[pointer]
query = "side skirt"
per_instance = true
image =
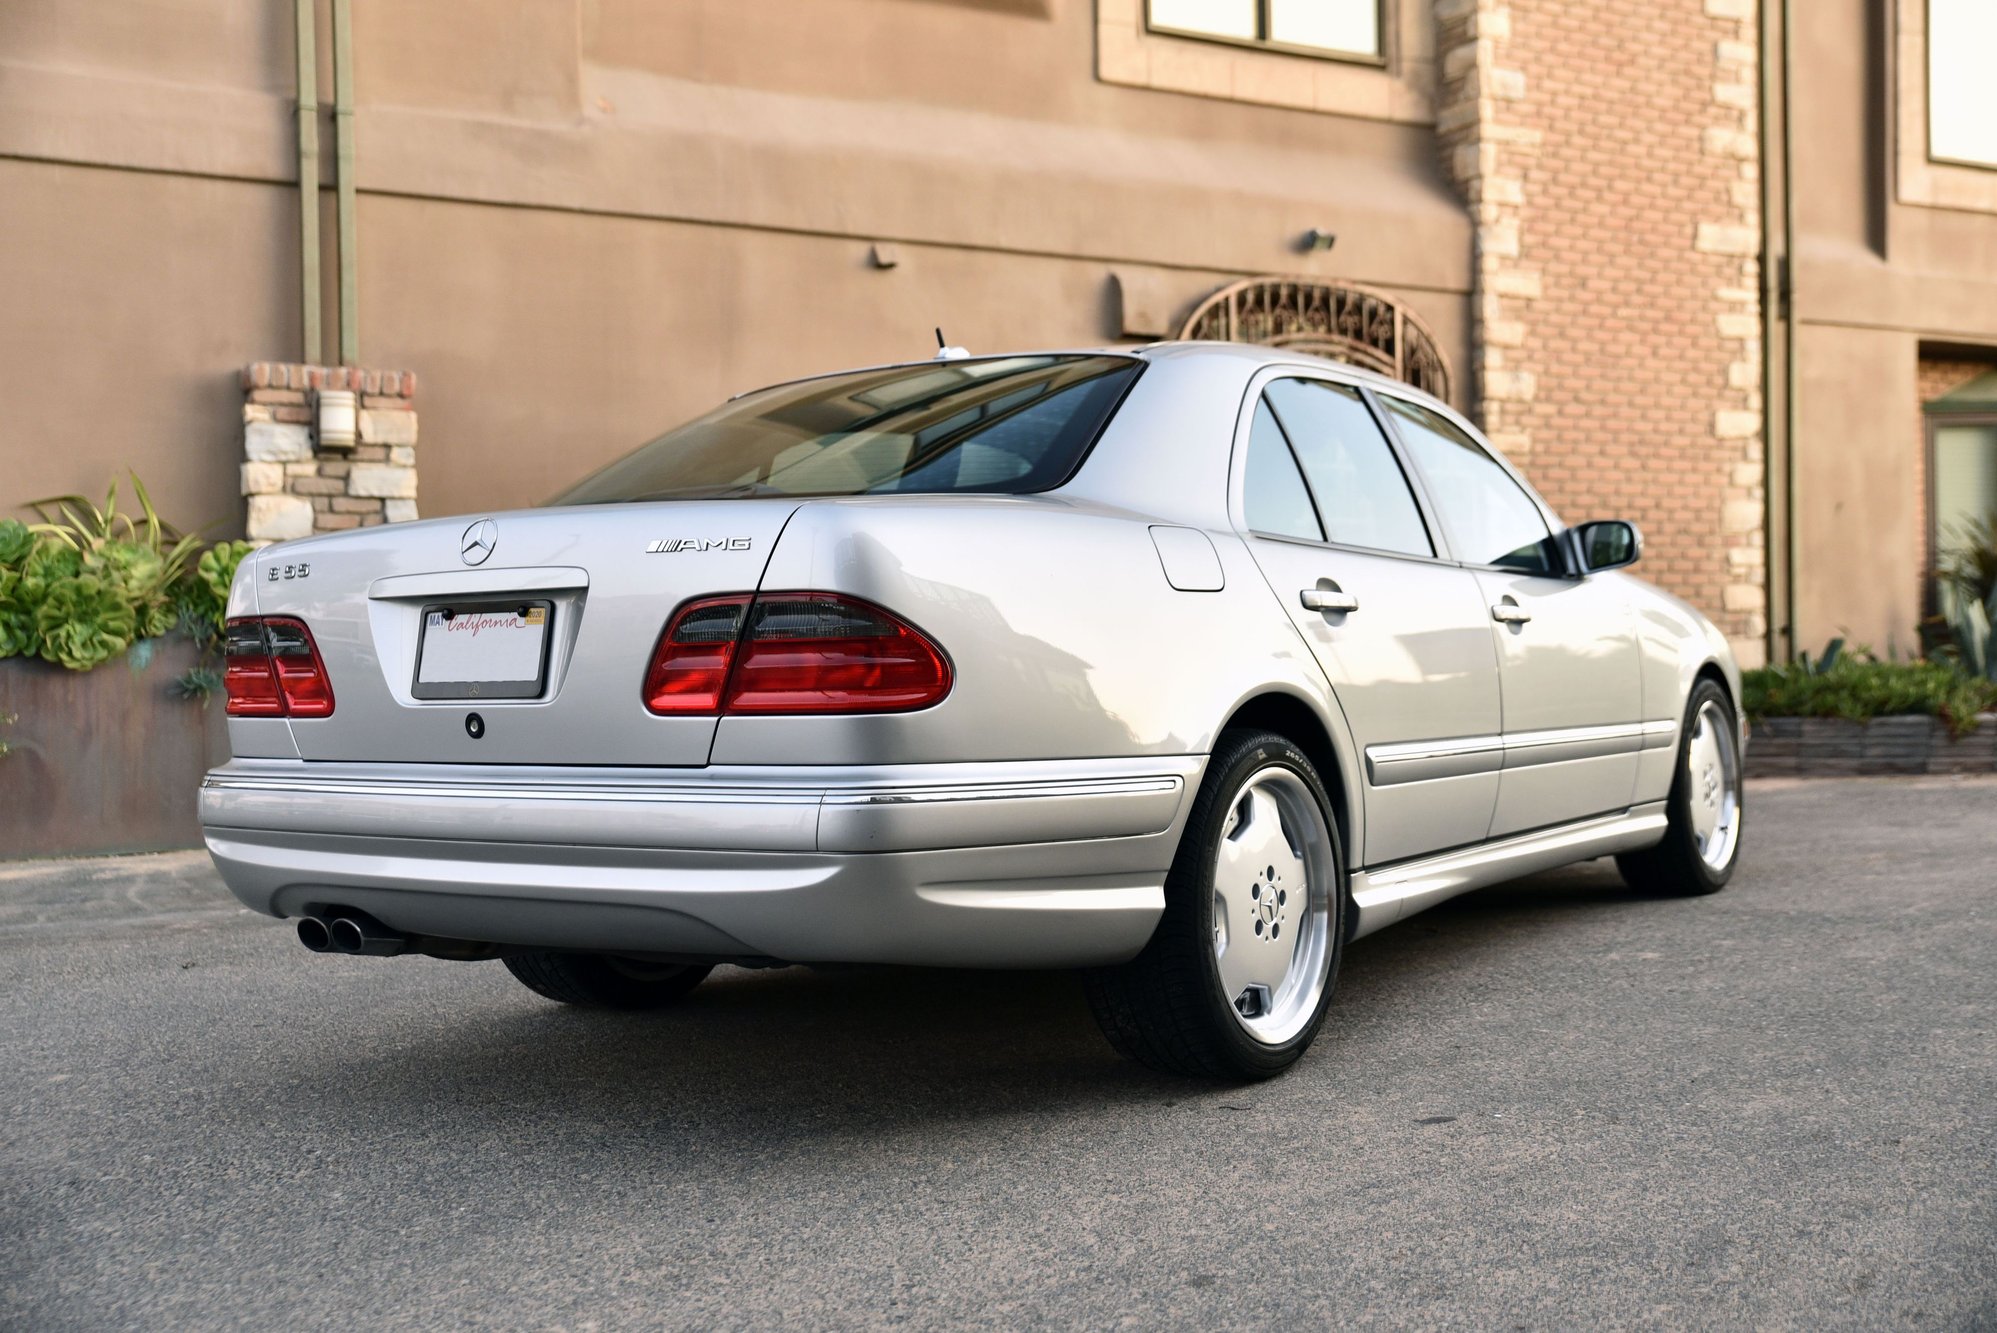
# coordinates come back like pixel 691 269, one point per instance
pixel 1393 893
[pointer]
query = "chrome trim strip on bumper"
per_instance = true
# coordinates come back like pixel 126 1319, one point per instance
pixel 1421 761
pixel 1393 893
pixel 793 809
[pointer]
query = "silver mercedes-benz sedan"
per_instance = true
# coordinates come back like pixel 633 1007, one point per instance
pixel 1186 665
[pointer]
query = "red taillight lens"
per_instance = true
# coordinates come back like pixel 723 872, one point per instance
pixel 247 677
pixel 690 669
pixel 792 652
pixel 273 670
pixel 817 652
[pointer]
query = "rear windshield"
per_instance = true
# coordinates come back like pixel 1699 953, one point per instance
pixel 1007 425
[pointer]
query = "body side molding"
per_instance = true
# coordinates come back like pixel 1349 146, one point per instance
pixel 1392 893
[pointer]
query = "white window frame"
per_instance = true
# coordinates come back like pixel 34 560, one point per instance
pixel 1919 178
pixel 1928 72
pixel 1263 42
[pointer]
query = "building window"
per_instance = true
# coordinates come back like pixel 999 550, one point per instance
pixel 1962 98
pixel 1348 29
pixel 1962 469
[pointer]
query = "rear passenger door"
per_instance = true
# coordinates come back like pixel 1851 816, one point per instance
pixel 1567 648
pixel 1401 632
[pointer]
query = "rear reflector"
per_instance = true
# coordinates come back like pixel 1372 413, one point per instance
pixel 789 653
pixel 273 669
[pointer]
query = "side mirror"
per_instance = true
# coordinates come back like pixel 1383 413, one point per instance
pixel 1608 544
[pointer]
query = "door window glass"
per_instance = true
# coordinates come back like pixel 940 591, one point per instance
pixel 1489 517
pixel 1274 495
pixel 1357 483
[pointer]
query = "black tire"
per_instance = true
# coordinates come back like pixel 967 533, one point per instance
pixel 602 981
pixel 1166 1008
pixel 1674 867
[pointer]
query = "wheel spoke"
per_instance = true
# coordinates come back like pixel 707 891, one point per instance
pixel 1712 785
pixel 1268 929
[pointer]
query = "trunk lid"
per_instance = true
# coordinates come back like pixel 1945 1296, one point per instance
pixel 609 577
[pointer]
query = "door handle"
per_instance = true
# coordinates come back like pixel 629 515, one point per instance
pixel 1328 599
pixel 1510 613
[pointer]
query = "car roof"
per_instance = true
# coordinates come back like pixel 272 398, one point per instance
pixel 1251 356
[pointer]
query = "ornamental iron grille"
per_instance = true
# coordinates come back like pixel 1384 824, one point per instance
pixel 1349 324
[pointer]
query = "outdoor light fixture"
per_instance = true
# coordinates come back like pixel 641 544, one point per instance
pixel 338 421
pixel 1317 239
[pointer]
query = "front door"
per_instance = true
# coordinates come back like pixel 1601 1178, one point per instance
pixel 1568 658
pixel 1403 636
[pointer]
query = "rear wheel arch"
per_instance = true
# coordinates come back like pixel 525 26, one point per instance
pixel 1297 722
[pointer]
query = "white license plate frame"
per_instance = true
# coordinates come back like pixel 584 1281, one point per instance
pixel 505 687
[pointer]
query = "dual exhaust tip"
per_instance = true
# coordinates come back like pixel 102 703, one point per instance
pixel 343 930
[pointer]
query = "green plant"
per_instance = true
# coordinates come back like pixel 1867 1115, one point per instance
pixel 198 682
pixel 15 542
pixel 1966 587
pixel 87 581
pixel 1858 686
pixel 145 557
pixel 207 599
pixel 84 622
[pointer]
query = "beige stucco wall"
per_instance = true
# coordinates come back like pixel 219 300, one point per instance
pixel 1880 273
pixel 581 220
pixel 129 300
pixel 602 331
pixel 1857 502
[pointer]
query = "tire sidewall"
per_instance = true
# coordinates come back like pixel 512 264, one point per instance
pixel 1703 692
pixel 1191 887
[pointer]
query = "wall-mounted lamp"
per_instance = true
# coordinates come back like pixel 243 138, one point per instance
pixel 1317 239
pixel 884 255
pixel 339 423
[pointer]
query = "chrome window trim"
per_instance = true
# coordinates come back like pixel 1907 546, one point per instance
pixel 1237 463
pixel 1373 551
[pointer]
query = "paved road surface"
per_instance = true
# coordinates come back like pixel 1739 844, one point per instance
pixel 1552 1104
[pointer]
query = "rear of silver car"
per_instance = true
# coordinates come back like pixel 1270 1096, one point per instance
pixel 516 740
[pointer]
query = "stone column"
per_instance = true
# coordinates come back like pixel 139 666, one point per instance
pixel 296 486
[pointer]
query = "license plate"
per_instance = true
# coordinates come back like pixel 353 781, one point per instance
pixel 483 650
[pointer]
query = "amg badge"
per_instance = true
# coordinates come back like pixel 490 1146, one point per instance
pixel 671 544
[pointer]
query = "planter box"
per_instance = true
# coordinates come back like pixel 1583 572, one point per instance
pixel 1831 747
pixel 104 761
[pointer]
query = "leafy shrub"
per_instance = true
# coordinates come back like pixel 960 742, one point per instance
pixel 1966 587
pixel 1857 686
pixel 86 582
pixel 207 599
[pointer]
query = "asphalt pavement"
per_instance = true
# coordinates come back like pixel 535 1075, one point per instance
pixel 1553 1104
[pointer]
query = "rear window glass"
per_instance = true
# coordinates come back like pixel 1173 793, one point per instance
pixel 1005 424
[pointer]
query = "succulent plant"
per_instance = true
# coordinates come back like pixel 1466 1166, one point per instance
pixel 15 542
pixel 18 637
pixel 84 621
pixel 214 572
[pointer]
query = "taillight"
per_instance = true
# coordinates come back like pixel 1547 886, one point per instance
pixel 273 669
pixel 690 669
pixel 792 652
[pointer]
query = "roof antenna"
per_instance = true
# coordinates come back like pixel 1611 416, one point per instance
pixel 945 352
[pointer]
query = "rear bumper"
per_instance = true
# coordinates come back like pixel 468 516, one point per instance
pixel 992 865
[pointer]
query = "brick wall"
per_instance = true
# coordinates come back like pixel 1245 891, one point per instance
pixel 297 483
pixel 1610 153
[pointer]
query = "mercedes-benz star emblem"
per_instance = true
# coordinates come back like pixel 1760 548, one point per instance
pixel 478 541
